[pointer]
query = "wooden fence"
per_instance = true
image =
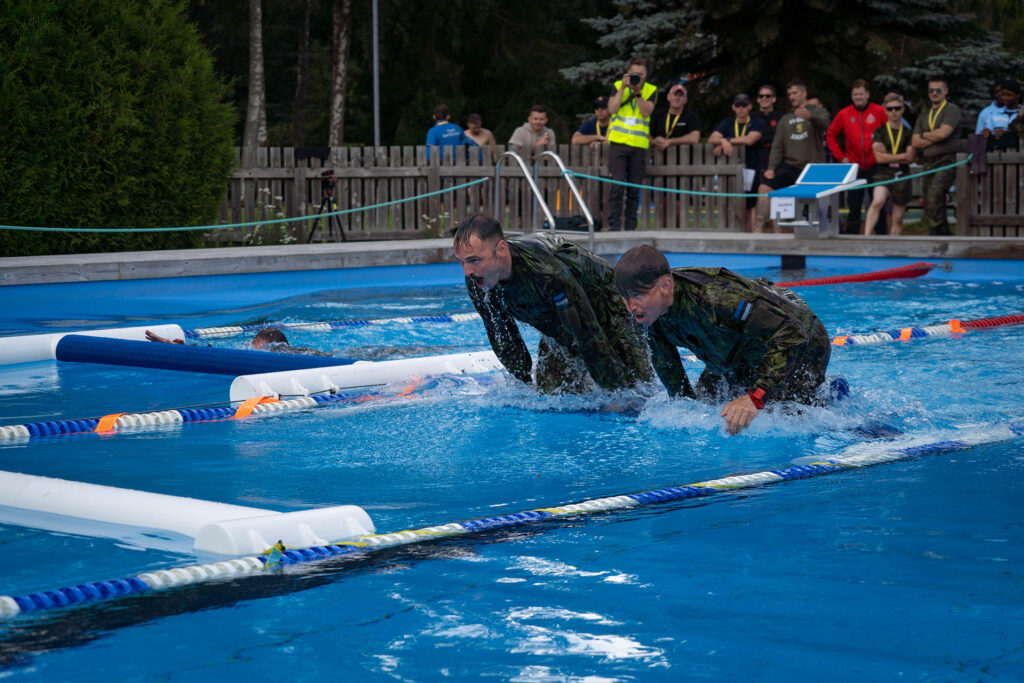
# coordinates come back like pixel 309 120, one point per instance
pixel 279 183
pixel 992 204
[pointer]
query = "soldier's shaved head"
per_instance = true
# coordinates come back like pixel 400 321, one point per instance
pixel 638 269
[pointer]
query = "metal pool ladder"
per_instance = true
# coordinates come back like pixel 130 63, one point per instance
pixel 538 198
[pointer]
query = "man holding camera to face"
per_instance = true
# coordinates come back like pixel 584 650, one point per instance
pixel 629 139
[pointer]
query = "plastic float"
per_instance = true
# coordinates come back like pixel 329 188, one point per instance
pixel 216 528
pixel 940 330
pixel 859 455
pixel 38 347
pixel 360 374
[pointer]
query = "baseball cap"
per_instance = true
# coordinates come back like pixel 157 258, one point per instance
pixel 678 87
pixel 1011 84
pixel 742 100
pixel 601 102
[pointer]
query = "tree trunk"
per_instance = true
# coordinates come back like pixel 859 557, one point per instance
pixel 339 73
pixel 256 108
pixel 301 78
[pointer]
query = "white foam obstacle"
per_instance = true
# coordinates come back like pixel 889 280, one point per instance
pixel 216 528
pixel 31 348
pixel 360 374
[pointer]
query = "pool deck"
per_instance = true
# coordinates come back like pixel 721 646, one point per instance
pixel 28 270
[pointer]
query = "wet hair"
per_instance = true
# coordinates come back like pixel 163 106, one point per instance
pixel 483 227
pixel 441 112
pixel 638 269
pixel 859 83
pixel 271 335
pixel 474 118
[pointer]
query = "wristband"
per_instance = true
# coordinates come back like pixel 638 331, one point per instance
pixel 757 396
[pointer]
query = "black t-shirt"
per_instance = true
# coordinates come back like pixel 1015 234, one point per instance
pixel 666 125
pixel 768 123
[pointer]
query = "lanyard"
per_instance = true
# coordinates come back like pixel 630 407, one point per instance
pixel 597 124
pixel 899 136
pixel 669 127
pixel 933 115
pixel 736 127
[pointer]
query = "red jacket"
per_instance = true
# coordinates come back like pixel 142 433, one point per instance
pixel 856 128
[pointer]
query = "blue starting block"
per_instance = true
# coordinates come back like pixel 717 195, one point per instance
pixel 815 199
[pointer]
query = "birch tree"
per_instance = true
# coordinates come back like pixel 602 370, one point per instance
pixel 256 109
pixel 342 12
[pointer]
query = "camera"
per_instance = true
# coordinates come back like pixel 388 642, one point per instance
pixel 328 182
pixel 634 79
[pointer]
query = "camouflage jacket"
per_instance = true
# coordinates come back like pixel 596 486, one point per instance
pixel 544 267
pixel 747 331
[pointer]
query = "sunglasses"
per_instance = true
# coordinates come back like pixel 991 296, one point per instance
pixel 765 96
pixel 894 108
pixel 934 90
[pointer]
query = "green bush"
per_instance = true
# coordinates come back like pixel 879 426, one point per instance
pixel 111 116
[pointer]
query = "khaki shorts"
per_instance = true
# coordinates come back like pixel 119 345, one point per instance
pixel 900 192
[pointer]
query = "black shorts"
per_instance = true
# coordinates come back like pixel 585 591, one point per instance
pixel 785 175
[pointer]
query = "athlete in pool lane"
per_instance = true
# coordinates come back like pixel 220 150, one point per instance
pixel 757 341
pixel 562 290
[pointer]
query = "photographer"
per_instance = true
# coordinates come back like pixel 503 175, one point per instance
pixel 629 139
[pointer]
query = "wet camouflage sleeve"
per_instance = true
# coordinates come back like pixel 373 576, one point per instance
pixel 502 332
pixel 665 357
pixel 788 339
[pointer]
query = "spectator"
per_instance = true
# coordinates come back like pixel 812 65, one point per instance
pixel 594 131
pixel 798 142
pixel 675 125
pixel 533 136
pixel 855 125
pixel 894 154
pixel 769 117
pixel 740 129
pixel 984 125
pixel 935 137
pixel 631 107
pixel 445 134
pixel 480 135
pixel 999 137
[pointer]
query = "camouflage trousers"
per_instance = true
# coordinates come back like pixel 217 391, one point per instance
pixel 562 371
pixel 935 187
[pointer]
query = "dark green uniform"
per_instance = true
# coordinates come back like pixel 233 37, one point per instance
pixel 749 333
pixel 593 339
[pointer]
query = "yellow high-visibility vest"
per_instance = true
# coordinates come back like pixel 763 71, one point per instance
pixel 628 125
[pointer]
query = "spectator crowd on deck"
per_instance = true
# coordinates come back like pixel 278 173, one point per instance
pixel 882 139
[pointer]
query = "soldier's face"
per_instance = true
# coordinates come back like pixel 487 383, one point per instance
pixel 647 307
pixel 483 262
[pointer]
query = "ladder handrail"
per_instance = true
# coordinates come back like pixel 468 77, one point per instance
pixel 498 215
pixel 573 189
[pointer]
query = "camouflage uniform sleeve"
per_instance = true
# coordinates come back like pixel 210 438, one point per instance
pixel 665 357
pixel 596 349
pixel 503 333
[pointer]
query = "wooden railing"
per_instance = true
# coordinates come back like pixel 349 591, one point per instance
pixel 277 184
pixel 992 204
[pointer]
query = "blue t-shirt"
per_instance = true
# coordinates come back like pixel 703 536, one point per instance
pixel 444 134
pixel 589 127
pixel 729 130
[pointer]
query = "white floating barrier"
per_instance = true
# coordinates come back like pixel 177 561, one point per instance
pixel 31 348
pixel 360 374
pixel 218 528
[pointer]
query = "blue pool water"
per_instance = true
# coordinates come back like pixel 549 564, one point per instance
pixel 907 571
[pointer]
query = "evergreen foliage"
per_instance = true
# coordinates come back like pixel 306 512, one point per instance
pixel 112 117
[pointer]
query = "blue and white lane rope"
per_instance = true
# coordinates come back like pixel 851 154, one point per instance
pixel 232 330
pixel 860 455
pixel 140 421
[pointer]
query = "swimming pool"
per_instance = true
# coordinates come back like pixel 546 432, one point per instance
pixel 909 570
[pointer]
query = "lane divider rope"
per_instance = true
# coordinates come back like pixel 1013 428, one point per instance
pixel 942 330
pixel 859 455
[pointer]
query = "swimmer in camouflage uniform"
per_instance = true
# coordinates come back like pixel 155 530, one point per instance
pixel 758 341
pixel 566 293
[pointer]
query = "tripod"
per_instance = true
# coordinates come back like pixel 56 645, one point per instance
pixel 326 206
